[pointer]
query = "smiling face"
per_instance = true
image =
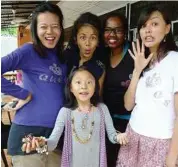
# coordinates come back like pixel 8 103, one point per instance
pixel 114 32
pixel 48 29
pixel 153 31
pixel 87 41
pixel 83 86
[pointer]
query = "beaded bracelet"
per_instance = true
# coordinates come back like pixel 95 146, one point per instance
pixel 42 148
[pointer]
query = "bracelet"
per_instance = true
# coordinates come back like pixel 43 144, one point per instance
pixel 42 148
pixel 28 138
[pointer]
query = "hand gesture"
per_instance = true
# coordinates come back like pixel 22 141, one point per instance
pixel 122 138
pixel 139 56
pixel 16 104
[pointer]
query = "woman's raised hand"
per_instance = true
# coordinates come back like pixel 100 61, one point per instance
pixel 138 56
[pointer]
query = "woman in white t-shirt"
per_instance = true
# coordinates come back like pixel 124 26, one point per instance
pixel 152 94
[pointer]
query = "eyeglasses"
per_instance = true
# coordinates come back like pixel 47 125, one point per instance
pixel 114 30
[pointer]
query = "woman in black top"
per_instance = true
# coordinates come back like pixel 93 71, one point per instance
pixel 118 74
pixel 83 48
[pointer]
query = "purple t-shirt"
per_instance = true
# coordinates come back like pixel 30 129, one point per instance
pixel 43 77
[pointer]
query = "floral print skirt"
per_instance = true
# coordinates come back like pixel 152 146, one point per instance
pixel 142 151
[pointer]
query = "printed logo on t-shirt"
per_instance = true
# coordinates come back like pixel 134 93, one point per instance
pixel 100 64
pixel 55 69
pixel 125 83
pixel 153 80
pixel 57 78
pixel 130 76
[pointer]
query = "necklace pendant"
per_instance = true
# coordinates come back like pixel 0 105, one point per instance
pixel 84 123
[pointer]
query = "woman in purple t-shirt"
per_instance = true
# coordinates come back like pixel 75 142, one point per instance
pixel 44 75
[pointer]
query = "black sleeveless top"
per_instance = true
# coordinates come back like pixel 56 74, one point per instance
pixel 116 83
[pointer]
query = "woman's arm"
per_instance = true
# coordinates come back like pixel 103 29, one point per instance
pixel 173 150
pixel 14 61
pixel 140 62
pixel 129 97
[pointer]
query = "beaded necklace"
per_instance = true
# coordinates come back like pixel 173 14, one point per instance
pixel 84 125
pixel 82 141
pixel 85 118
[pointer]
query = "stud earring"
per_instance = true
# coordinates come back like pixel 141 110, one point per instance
pixel 164 40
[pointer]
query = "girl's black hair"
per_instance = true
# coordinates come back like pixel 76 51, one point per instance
pixel 39 47
pixel 123 19
pixel 169 43
pixel 84 19
pixel 70 100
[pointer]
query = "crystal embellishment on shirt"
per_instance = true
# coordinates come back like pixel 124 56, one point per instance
pixel 55 69
pixel 158 94
pixel 153 81
pixel 100 64
pixel 166 103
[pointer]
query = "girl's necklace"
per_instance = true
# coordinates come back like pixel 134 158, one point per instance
pixel 85 118
pixel 84 125
pixel 79 139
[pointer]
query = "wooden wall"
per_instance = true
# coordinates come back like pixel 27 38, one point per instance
pixel 23 35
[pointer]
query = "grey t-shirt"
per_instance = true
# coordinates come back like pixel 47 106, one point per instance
pixel 83 155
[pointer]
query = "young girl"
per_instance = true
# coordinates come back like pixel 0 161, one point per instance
pixel 152 94
pixel 118 75
pixel 85 121
pixel 42 94
pixel 83 47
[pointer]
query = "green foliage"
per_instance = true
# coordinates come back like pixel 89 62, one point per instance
pixel 9 31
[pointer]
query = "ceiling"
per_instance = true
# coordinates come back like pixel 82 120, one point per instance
pixel 15 13
pixel 20 11
pixel 72 9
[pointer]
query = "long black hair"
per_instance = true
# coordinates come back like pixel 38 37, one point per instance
pixel 42 8
pixel 168 43
pixel 70 100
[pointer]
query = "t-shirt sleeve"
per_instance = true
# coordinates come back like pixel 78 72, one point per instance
pixel 53 140
pixel 111 131
pixel 14 61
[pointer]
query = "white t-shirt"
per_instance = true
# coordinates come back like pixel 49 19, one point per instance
pixel 154 112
